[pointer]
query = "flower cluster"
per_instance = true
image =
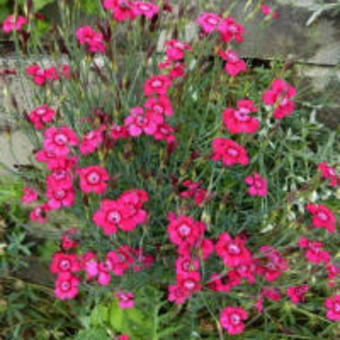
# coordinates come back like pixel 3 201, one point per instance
pixel 13 23
pixel 123 10
pixel 41 76
pixel 71 269
pixel 280 96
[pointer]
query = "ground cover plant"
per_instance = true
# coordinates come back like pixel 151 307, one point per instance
pixel 188 193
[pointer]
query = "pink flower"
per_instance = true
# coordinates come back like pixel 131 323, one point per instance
pixel 108 216
pixel 333 271
pixel 131 208
pixel 230 29
pixel 125 300
pixel 157 85
pixel 89 263
pixel 333 307
pixel 257 185
pixel 322 216
pixel 160 105
pixel 274 266
pixel 266 10
pixel 232 251
pixel 104 270
pixel 125 213
pixel 272 294
pixel 244 271
pixel 58 140
pixel 194 191
pixel 66 286
pixel 92 39
pixel 60 196
pixel 41 76
pixel 118 132
pixel 38 214
pixel 229 151
pixel 41 115
pixel 62 263
pixel 330 173
pixel 12 23
pixel 93 179
pixel 178 294
pixel 68 239
pixel 205 248
pixel 184 231
pixel 121 9
pixel 174 49
pixel 234 64
pixel 61 176
pixel 138 122
pixel 279 95
pixel 314 253
pixel 208 22
pixel 124 337
pixel 91 141
pixel 29 196
pixel 231 319
pixel 165 132
pixel 147 9
pixel 120 261
pixel 189 281
pixel 297 293
pixel 238 121
pixel 185 264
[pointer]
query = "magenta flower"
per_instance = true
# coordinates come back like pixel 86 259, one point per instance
pixel 93 40
pixel 38 214
pixel 230 29
pixel 41 76
pixel 266 10
pixel 121 9
pixel 160 105
pixel 62 263
pixel 91 141
pixel 280 96
pixel 229 151
pixel 231 319
pixel 329 172
pixel 178 294
pixel 257 185
pixel 93 179
pixel 138 122
pixel 125 300
pixel 66 286
pixel 314 251
pixel 158 84
pixel 239 120
pixel 184 231
pixel 60 196
pixel 322 216
pixel 29 195
pixel 147 9
pixel 333 307
pixel 274 264
pixel 234 64
pixel 41 115
pixel 58 140
pixel 12 23
pixel 233 252
pixel 174 49
pixel 297 293
pixel 208 22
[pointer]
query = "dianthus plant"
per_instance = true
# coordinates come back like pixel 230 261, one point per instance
pixel 176 169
